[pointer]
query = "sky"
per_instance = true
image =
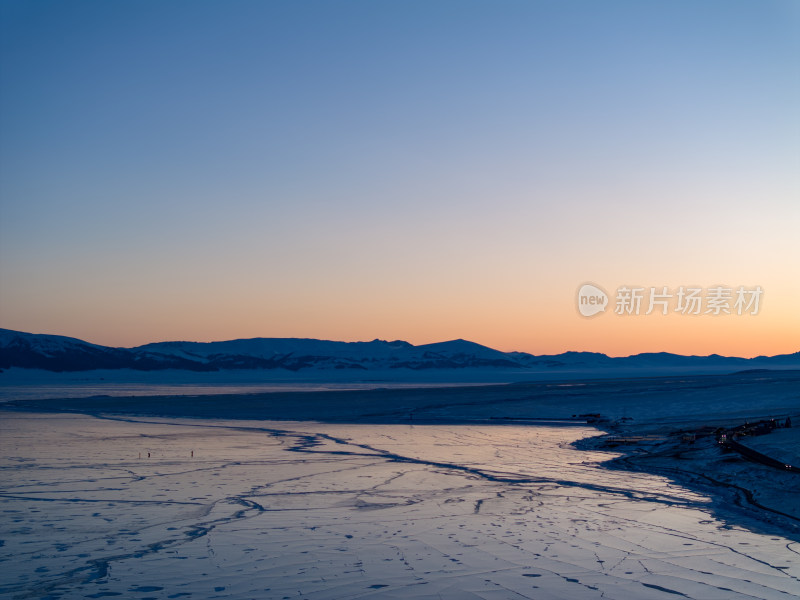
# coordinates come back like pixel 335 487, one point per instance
pixel 421 170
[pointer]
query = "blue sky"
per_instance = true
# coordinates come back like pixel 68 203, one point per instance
pixel 416 170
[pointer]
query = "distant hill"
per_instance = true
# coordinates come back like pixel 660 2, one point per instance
pixel 58 353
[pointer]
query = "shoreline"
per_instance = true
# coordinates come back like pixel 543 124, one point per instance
pixel 762 496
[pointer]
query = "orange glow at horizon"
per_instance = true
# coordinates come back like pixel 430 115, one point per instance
pixel 514 322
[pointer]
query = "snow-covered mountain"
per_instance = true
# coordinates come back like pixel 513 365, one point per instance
pixel 295 354
pixel 58 353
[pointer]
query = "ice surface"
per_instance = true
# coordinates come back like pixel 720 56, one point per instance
pixel 139 507
pixel 26 384
pixel 18 383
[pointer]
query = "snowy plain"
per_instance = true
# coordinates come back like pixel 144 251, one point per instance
pixel 427 493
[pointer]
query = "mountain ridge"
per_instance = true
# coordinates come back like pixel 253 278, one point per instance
pixel 65 354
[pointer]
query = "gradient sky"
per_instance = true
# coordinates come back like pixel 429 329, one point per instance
pixel 419 170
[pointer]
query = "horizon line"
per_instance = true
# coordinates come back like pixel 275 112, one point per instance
pixel 377 339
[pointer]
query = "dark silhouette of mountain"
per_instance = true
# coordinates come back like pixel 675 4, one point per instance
pixel 58 353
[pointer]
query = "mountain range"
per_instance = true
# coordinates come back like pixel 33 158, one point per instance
pixel 60 354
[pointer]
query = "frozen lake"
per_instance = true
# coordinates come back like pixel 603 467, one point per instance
pixel 137 507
